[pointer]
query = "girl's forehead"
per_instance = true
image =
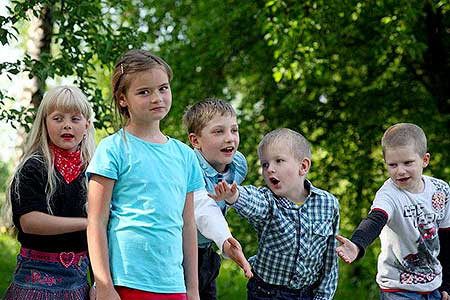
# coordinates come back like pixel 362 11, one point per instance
pixel 64 110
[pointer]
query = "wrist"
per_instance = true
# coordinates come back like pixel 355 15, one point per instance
pixel 232 199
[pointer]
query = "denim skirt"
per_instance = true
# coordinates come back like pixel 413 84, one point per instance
pixel 37 279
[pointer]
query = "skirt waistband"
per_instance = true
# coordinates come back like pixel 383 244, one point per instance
pixel 65 258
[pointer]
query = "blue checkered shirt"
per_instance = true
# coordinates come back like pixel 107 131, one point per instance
pixel 296 247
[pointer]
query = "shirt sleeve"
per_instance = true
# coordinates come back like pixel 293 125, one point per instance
pixel 209 219
pixel 195 175
pixel 368 230
pixel 253 204
pixel 444 239
pixel 444 189
pixel 329 275
pixel 28 193
pixel 105 161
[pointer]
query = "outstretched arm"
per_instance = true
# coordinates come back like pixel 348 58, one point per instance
pixel 347 251
pixel 209 219
pixel 212 224
pixel 233 249
pixel 368 230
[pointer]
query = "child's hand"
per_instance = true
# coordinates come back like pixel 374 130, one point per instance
pixel 347 251
pixel 106 294
pixel 193 295
pixel 445 296
pixel 233 250
pixel 226 192
pixel 92 293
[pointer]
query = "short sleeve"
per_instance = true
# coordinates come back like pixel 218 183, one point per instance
pixel 195 176
pixel 383 202
pixel 106 160
pixel 441 200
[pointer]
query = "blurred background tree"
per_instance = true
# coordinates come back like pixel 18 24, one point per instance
pixel 340 72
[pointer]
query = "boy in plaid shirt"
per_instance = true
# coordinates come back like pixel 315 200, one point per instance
pixel 296 223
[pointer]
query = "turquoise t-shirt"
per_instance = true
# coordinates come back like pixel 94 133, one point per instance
pixel 146 217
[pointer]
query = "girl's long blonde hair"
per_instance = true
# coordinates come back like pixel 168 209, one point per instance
pixel 61 98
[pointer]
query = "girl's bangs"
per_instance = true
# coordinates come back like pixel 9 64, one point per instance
pixel 69 100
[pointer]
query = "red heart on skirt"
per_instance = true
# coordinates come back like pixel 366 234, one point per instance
pixel 66 258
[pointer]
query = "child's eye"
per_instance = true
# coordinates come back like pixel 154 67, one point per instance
pixel 235 130
pixel 392 165
pixel 218 131
pixel 76 118
pixel 279 160
pixel 164 88
pixel 408 163
pixel 144 92
pixel 57 118
pixel 265 165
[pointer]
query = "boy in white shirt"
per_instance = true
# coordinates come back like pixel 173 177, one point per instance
pixel 412 212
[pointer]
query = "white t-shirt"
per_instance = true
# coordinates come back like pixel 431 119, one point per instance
pixel 409 241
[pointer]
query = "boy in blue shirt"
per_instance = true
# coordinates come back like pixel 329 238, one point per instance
pixel 214 134
pixel 296 223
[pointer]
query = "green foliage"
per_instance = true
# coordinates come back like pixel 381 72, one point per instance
pixel 340 72
pixel 10 248
pixel 231 283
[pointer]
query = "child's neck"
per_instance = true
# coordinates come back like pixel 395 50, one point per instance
pixel 299 196
pixel 150 133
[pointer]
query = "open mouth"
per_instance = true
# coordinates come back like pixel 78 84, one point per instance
pixel 67 136
pixel 274 181
pixel 403 180
pixel 227 150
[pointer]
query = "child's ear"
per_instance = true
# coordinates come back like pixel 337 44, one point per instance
pixel 425 160
pixel 122 101
pixel 194 140
pixel 305 164
pixel 88 123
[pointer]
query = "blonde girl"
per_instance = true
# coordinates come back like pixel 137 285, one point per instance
pixel 141 228
pixel 46 200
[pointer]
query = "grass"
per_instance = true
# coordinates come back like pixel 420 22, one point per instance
pixel 10 248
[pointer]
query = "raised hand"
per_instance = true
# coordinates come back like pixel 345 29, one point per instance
pixel 347 251
pixel 233 250
pixel 445 296
pixel 226 192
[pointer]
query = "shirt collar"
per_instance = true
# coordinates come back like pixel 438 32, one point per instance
pixel 204 164
pixel 309 186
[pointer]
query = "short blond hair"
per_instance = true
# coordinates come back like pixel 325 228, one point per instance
pixel 197 116
pixel 296 142
pixel 405 134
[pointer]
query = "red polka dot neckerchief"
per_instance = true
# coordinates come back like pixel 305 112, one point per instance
pixel 67 163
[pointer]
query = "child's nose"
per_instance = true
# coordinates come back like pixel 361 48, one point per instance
pixel 270 169
pixel 400 170
pixel 156 96
pixel 229 136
